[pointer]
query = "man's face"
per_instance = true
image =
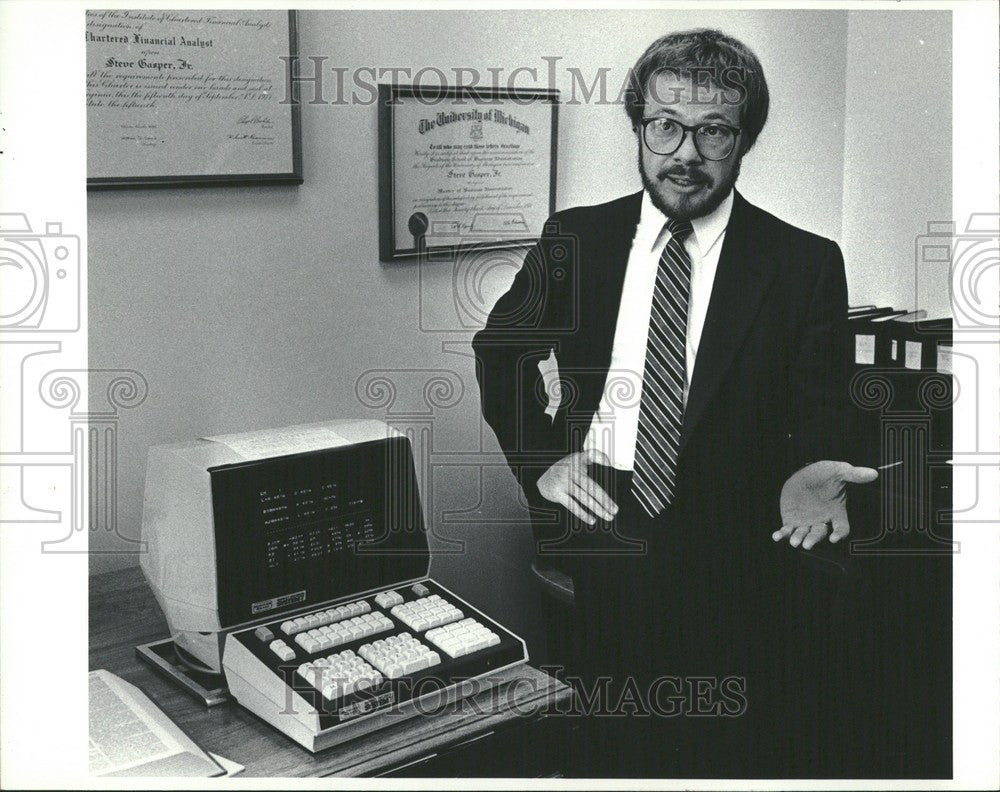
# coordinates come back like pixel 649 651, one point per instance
pixel 684 185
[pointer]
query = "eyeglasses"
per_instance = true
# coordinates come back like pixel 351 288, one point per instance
pixel 712 141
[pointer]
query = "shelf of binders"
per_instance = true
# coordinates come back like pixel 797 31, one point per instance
pixel 891 338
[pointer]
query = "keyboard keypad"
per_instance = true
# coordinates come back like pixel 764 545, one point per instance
pixel 422 614
pixel 328 636
pixel 339 675
pixel 322 618
pixel 399 654
pixel 461 638
pixel 442 629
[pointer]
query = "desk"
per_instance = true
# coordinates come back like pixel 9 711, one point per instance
pixel 483 736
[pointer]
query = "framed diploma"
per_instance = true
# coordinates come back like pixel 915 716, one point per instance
pixel 464 167
pixel 191 98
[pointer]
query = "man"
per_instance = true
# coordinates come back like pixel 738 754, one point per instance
pixel 696 451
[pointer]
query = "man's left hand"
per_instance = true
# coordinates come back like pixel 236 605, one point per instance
pixel 814 498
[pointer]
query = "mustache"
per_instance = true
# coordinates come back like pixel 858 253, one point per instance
pixel 684 173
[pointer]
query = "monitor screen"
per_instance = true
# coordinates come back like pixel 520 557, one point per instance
pixel 299 530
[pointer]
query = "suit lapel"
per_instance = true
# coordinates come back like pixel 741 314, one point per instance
pixel 742 279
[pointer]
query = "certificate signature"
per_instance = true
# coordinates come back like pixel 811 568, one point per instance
pixel 253 129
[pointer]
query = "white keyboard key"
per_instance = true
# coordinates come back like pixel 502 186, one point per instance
pixel 450 648
pixel 414 665
pixel 330 691
pixel 283 651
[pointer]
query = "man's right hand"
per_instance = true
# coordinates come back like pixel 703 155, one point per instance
pixel 568 484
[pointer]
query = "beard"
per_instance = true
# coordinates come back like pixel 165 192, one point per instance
pixel 687 206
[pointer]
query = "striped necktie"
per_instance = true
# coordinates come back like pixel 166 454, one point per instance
pixel 661 409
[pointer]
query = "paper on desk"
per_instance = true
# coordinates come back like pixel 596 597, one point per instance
pixel 123 732
pixel 281 442
pixel 232 768
pixel 131 736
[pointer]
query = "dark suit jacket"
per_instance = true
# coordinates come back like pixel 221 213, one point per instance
pixel 712 594
pixel 769 392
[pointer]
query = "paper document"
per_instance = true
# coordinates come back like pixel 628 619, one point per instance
pixel 131 736
pixel 268 443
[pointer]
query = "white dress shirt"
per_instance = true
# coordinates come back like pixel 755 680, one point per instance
pixel 616 422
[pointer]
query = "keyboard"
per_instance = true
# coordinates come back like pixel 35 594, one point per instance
pixel 315 673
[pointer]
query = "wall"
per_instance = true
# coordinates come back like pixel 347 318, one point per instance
pixel 897 163
pixel 257 307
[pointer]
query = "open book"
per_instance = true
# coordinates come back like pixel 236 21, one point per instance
pixel 131 736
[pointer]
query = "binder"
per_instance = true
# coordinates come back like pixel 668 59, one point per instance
pixel 872 339
pixel 945 353
pixel 918 340
pixel 890 352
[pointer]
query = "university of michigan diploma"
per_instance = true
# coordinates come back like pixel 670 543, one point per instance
pixel 462 167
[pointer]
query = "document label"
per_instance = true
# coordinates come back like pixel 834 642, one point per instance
pixel 864 349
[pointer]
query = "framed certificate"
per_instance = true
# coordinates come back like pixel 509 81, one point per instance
pixel 464 167
pixel 191 98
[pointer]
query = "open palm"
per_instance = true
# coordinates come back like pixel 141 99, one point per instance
pixel 814 500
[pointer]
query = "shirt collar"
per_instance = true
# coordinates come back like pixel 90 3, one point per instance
pixel 707 228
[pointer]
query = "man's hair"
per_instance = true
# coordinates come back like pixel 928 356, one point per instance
pixel 709 58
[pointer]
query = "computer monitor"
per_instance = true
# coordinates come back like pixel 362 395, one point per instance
pixel 250 526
